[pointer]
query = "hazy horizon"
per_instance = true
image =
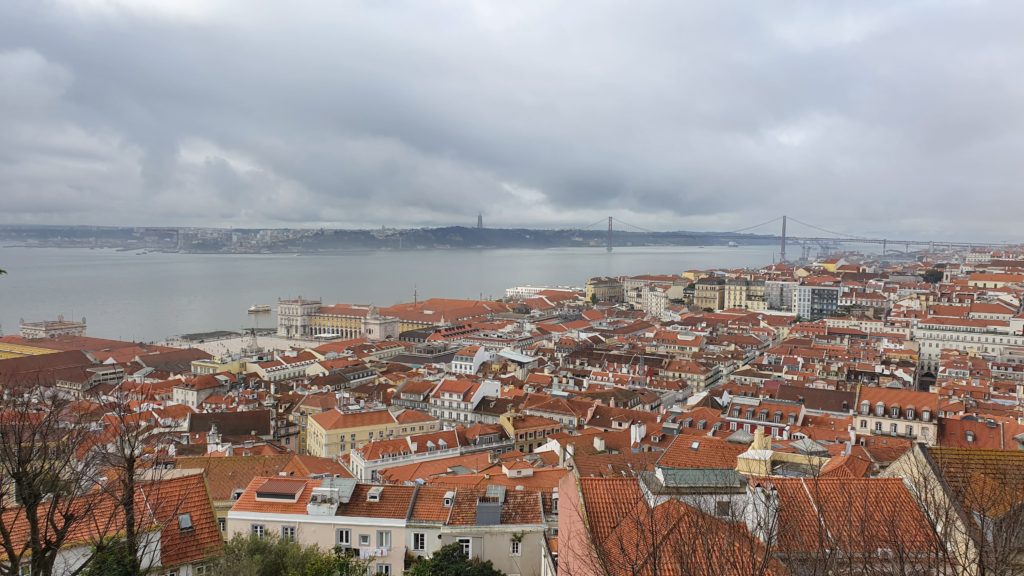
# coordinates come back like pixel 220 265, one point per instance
pixel 870 118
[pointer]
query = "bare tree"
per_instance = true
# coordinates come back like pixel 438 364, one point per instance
pixel 633 532
pixel 126 453
pixel 974 500
pixel 44 482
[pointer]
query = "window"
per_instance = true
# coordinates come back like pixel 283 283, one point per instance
pixel 467 546
pixel 383 569
pixel 895 412
pixel 419 541
pixel 722 508
pixel 222 523
pixel 926 415
pixel 910 413
pixel 184 521
pixel 364 539
pixel 383 538
pixel 258 530
pixel 344 537
pixel 201 570
pixel 879 409
pixel 516 549
pixel 863 423
pixel 878 426
pixel 288 533
pixel 910 430
pixel 892 428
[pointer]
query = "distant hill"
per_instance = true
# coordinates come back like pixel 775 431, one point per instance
pixel 253 240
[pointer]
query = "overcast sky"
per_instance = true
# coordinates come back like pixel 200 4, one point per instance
pixel 895 118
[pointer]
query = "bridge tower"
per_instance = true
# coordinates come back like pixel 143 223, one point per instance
pixel 608 244
pixel 782 252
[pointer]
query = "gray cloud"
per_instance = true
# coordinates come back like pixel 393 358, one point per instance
pixel 868 117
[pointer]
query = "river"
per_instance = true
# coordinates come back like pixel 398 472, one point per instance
pixel 149 297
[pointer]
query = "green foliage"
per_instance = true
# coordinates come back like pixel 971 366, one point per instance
pixel 451 561
pixel 113 559
pixel 272 556
pixel 932 276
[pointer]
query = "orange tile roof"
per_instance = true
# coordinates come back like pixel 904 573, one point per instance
pixel 186 495
pixel 519 507
pixel 990 482
pixel 626 531
pixel 709 453
pixel 542 480
pixel 395 502
pixel 431 468
pixel 306 465
pixel 248 502
pixel 410 416
pixel 226 474
pixel 854 515
pixel 429 506
pixel 338 420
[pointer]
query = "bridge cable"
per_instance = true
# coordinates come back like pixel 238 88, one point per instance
pixel 773 220
pixel 820 229
pixel 588 226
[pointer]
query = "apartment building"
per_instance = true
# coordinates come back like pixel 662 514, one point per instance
pixel 897 412
pixel 778 294
pixel 386 524
pixel 986 338
pixel 335 432
pixel 815 302
pixel 455 401
pixel 709 294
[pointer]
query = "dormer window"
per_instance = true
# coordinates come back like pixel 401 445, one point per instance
pixel 449 497
pixel 374 494
pixel 926 415
pixel 865 407
pixel 910 413
pixel 895 412
pixel 879 409
pixel 970 436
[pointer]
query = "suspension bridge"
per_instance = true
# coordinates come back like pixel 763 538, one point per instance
pixel 813 235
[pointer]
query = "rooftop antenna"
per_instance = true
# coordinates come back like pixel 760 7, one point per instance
pixel 415 295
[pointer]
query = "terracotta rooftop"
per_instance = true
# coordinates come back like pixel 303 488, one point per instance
pixel 338 420
pixel 701 452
